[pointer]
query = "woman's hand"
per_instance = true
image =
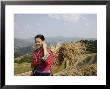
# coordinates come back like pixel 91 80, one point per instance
pixel 45 51
pixel 45 48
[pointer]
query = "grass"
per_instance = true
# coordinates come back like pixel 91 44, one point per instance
pixel 86 64
pixel 58 68
pixel 21 68
pixel 89 59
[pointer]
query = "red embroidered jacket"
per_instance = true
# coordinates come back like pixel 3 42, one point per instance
pixel 39 63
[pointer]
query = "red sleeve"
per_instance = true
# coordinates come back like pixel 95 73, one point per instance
pixel 33 64
pixel 34 60
pixel 50 59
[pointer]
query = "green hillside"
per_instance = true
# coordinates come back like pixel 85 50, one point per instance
pixel 73 59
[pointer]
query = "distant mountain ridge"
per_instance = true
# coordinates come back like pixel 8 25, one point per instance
pixel 24 46
pixel 60 39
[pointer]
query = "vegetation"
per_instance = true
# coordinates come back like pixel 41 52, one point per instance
pixel 91 45
pixel 77 58
pixel 21 68
pixel 22 51
pixel 26 58
pixel 72 59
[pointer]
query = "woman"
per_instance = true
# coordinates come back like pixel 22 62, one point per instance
pixel 42 58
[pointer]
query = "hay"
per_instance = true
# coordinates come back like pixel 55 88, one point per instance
pixel 71 51
pixel 72 54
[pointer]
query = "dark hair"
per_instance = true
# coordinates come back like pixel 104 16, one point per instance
pixel 40 36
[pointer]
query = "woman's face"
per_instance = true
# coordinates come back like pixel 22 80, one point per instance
pixel 39 43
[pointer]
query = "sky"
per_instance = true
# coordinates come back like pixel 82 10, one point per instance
pixel 53 25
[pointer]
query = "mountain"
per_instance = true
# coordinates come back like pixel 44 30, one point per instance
pixel 59 39
pixel 24 46
pixel 22 43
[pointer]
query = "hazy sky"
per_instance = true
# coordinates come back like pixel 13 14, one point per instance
pixel 51 25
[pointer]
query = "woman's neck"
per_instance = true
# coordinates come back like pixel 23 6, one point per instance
pixel 39 48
